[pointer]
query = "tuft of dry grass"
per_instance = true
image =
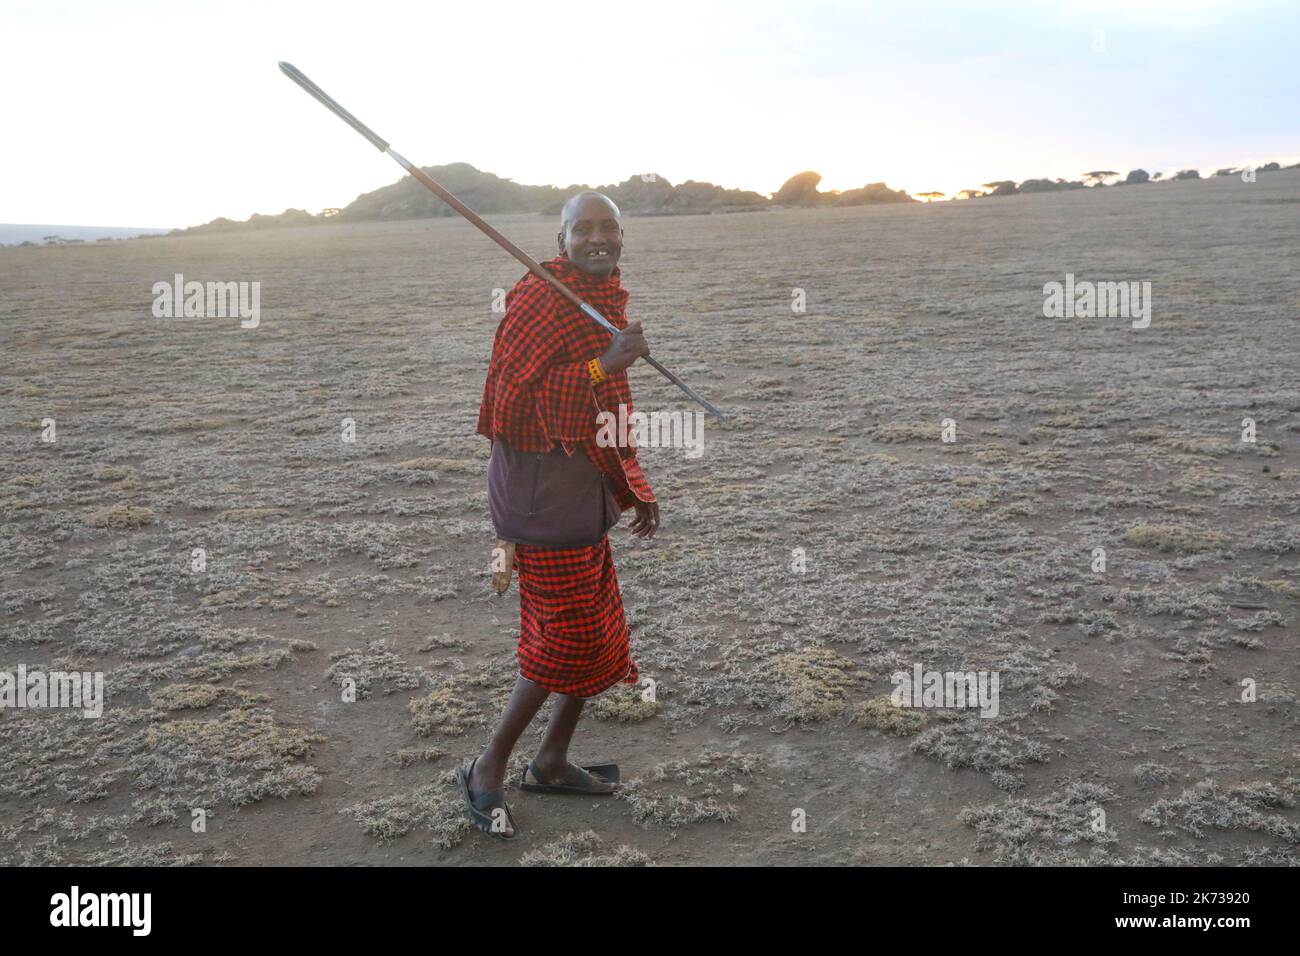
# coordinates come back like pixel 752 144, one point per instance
pixel 579 849
pixel 908 432
pixel 408 758
pixel 814 683
pixel 198 696
pixel 447 709
pixel 881 713
pixel 1042 832
pixel 1241 807
pixel 993 455
pixel 460 465
pixel 624 705
pixel 121 516
pixel 982 745
pixel 1169 537
pixel 673 810
pixel 238 758
pixel 370 666
pixel 436 807
pixel 114 473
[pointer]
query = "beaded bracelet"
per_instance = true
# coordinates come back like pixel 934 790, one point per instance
pixel 596 372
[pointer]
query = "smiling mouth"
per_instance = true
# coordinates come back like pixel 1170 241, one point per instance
pixel 599 254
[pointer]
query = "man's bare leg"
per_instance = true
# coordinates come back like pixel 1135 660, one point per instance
pixel 490 769
pixel 553 757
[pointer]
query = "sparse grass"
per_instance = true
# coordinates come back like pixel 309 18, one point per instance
pixel 580 849
pixel 1152 774
pixel 114 472
pixel 409 758
pixel 198 696
pixel 815 683
pixel 976 552
pixel 121 516
pixel 908 432
pixel 1043 832
pixel 624 705
pixel 436 808
pixel 673 810
pixel 881 713
pixel 1208 806
pixel 981 744
pixel 459 465
pixel 448 709
pixel 372 666
pixel 249 514
pixel 1168 537
pixel 237 758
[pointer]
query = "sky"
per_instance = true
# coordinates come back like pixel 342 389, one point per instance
pixel 158 114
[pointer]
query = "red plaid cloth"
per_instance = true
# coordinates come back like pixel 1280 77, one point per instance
pixel 573 637
pixel 538 390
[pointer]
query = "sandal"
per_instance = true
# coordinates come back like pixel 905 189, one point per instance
pixel 604 772
pixel 481 803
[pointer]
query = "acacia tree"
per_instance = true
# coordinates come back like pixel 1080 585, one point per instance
pixel 1098 176
pixel 929 197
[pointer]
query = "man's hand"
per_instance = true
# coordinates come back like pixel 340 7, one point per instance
pixel 647 519
pixel 626 347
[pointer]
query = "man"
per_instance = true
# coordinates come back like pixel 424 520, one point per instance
pixel 554 493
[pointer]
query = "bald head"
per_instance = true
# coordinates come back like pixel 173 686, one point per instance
pixel 575 202
pixel 591 233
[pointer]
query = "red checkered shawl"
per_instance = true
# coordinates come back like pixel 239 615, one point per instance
pixel 538 391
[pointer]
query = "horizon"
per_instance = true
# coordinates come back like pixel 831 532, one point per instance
pixel 1164 177
pixel 1019 91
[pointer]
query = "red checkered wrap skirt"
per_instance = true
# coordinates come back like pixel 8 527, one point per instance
pixel 573 637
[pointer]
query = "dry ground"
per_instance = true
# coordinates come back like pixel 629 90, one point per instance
pixel 327 561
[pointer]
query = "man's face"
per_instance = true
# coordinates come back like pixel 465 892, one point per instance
pixel 593 238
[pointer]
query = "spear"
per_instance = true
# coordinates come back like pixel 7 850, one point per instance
pixel 293 73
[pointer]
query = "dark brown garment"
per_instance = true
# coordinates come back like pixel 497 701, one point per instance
pixel 549 499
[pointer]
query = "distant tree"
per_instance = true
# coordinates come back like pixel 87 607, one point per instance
pixel 52 240
pixel 1048 185
pixel 971 194
pixel 1187 174
pixel 1227 171
pixel 1098 176
pixel 929 197
pixel 1137 176
pixel 869 194
pixel 1002 187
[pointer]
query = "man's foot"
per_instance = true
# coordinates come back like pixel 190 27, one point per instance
pixel 482 789
pixel 565 778
pixel 485 775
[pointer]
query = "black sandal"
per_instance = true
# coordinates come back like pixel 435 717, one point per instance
pixel 605 772
pixel 481 803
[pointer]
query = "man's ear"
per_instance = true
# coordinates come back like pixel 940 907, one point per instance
pixel 559 240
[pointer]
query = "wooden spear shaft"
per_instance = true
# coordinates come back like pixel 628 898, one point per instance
pixel 442 193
